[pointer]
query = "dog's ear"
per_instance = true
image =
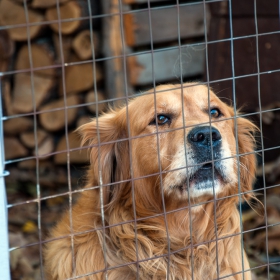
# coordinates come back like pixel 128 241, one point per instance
pixel 103 137
pixel 246 145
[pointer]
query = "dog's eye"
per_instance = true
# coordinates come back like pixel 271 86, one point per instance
pixel 161 120
pixel 215 113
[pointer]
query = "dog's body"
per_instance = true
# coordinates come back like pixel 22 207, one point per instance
pixel 154 159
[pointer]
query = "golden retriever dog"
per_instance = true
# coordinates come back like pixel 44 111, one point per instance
pixel 166 174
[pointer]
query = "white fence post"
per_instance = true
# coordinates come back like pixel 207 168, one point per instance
pixel 4 239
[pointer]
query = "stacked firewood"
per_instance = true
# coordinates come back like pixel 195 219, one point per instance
pixel 47 55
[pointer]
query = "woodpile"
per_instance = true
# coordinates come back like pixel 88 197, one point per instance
pixel 49 51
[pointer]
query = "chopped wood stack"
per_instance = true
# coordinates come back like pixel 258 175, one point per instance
pixel 48 55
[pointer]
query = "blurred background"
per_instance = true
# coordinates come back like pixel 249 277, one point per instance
pixel 63 62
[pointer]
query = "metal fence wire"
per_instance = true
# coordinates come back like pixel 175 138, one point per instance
pixel 63 62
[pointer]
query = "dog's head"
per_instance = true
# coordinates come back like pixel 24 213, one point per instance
pixel 182 141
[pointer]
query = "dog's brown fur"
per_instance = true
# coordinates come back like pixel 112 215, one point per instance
pixel 139 238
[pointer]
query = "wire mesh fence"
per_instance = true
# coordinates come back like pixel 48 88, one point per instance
pixel 65 62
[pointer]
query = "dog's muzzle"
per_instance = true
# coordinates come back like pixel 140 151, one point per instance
pixel 206 144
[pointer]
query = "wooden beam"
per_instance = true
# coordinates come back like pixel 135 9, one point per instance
pixel 166 65
pixel 138 29
pixel 113 49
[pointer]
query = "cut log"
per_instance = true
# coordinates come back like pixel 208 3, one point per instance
pixel 43 4
pixel 80 77
pixel 137 25
pixel 7 48
pixel 70 12
pixel 91 101
pixel 55 120
pixel 77 156
pixel 12 14
pixel 66 47
pixel 28 139
pixel 42 56
pixel 166 65
pixel 24 88
pixel 82 44
pixel 13 148
pixel 17 125
pixel 27 164
pixel 45 148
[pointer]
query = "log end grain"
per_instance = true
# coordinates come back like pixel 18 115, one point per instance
pixel 28 138
pixel 42 56
pixel 30 91
pixel 70 10
pixel 13 148
pixel 82 44
pixel 17 125
pixel 80 77
pixel 77 156
pixel 91 101
pixel 55 119
pixel 12 14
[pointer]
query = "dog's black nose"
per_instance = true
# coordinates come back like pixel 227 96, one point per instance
pixel 200 137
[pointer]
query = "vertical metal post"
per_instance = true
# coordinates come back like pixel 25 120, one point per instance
pixel 4 239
